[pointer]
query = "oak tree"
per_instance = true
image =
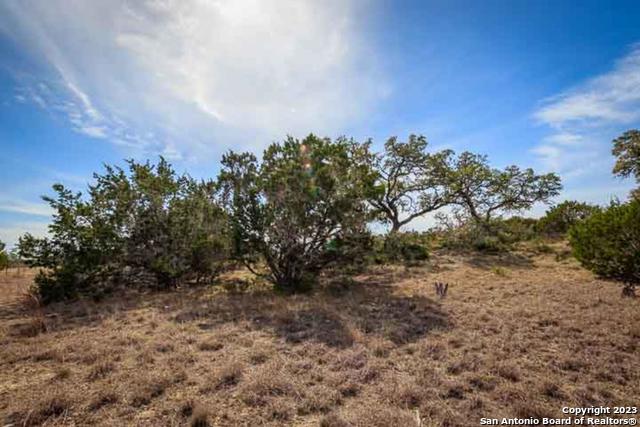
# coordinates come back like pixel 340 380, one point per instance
pixel 411 182
pixel 486 193
pixel 626 148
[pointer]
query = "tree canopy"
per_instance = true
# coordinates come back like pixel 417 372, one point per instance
pixel 626 149
pixel 559 218
pixel 608 243
pixel 410 181
pixel 304 205
pixel 484 192
pixel 145 221
pixel 296 207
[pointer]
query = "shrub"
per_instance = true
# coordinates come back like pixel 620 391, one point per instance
pixel 495 236
pixel 608 243
pixel 297 209
pixel 404 247
pixel 515 229
pixel 4 257
pixel 559 218
pixel 148 221
pixel 351 253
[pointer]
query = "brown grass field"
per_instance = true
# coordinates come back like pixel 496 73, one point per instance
pixel 517 336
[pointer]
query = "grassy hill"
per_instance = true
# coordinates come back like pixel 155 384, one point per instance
pixel 517 335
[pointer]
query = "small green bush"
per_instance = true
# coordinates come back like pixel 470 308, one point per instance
pixel 495 237
pixel 489 244
pixel 608 242
pixel 4 257
pixel 516 229
pixel 404 247
pixel 559 218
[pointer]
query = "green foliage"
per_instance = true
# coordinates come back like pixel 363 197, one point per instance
pixel 627 150
pixel 296 209
pixel 608 242
pixel 4 257
pixel 500 271
pixel 303 207
pixel 410 182
pixel 559 218
pixel 516 229
pixel 147 221
pixel 351 253
pixel 408 248
pixel 486 193
pixel 495 236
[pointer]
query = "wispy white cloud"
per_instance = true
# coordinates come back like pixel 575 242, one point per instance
pixel 583 120
pixel 181 76
pixel 611 97
pixel 23 207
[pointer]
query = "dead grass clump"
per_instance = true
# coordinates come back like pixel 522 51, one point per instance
pixel 368 374
pixel 198 415
pixel 453 420
pixel 483 382
pixel 51 408
pixel 227 376
pixel 381 416
pixel 509 372
pixel 164 348
pixel 381 348
pixel 553 391
pixel 454 391
pixel 53 355
pixel 351 359
pixel 186 409
pixel 280 410
pixel 148 391
pixel 104 398
pixel 532 410
pixel 200 418
pixel 344 383
pixel 265 382
pixel 586 396
pixel 573 365
pixel 258 357
pixel 319 398
pixel 349 389
pixel 210 346
pixel 89 358
pixel 62 373
pixel 333 420
pixel 33 327
pixel 433 350
pixel 476 404
pixel 403 392
pixel 466 364
pixel 101 370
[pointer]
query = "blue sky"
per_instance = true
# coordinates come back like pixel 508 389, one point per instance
pixel 546 84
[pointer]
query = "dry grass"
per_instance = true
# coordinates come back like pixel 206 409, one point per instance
pixel 516 336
